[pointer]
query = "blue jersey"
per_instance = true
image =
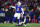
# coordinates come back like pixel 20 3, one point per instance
pixel 2 12
pixel 18 9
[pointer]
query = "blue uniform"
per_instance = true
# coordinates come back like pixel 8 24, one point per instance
pixel 18 9
pixel 6 17
pixel 1 19
pixel 32 15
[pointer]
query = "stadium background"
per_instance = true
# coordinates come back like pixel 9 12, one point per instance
pixel 31 8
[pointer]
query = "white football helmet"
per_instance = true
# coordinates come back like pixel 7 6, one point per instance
pixel 19 3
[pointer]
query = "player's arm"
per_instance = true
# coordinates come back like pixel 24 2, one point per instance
pixel 22 13
pixel 13 7
pixel 22 10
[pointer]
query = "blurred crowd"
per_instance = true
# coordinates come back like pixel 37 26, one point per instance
pixel 31 9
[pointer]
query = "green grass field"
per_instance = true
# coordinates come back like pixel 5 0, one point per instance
pixel 13 25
